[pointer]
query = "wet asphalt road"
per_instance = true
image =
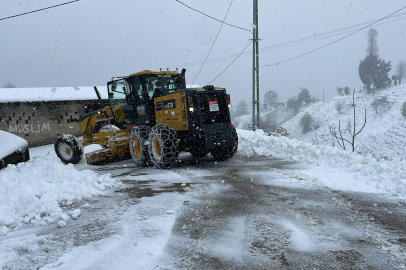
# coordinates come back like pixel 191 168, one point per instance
pixel 268 222
pixel 244 215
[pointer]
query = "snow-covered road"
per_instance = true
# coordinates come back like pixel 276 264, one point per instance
pixel 238 214
pixel 254 211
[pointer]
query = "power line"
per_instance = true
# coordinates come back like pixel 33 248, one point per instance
pixel 334 31
pixel 213 17
pixel 331 99
pixel 277 63
pixel 213 42
pixel 39 10
pixel 279 46
pixel 231 63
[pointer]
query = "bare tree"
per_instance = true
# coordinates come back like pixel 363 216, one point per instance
pixel 372 48
pixel 9 85
pixel 401 71
pixel 379 103
pixel 340 138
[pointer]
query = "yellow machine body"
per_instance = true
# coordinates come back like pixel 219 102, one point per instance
pixel 115 141
pixel 168 111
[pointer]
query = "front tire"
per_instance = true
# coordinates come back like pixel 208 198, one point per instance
pixel 162 146
pixel 227 153
pixel 138 145
pixel 68 149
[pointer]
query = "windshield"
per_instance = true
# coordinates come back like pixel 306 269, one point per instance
pixel 118 91
pixel 165 82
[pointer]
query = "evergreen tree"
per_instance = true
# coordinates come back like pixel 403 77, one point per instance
pixel 373 71
pixel 242 109
pixel 293 104
pixel 270 98
pixel 304 96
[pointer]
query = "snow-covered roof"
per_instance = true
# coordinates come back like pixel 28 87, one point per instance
pixel 50 94
pixel 54 93
pixel 10 143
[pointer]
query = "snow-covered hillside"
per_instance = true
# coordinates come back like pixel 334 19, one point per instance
pixel 384 135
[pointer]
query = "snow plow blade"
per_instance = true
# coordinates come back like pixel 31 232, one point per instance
pixel 106 155
pixel 98 157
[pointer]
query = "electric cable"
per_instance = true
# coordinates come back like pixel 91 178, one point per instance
pixel 213 17
pixel 279 46
pixel 213 43
pixel 231 63
pixel 312 51
pixel 38 10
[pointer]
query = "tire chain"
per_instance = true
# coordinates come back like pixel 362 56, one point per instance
pixel 169 148
pixel 142 133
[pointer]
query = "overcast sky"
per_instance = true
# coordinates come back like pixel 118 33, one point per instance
pixel 88 42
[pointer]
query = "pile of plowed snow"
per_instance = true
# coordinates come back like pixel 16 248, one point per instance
pixel 388 177
pixel 34 192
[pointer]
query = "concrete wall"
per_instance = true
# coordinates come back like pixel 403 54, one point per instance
pixel 42 122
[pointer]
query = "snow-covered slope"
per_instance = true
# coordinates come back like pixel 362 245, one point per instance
pixel 384 135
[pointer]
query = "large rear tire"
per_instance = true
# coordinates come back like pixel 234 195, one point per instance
pixel 227 153
pixel 162 146
pixel 139 145
pixel 69 149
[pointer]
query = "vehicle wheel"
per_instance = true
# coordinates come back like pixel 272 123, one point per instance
pixel 26 156
pixel 68 149
pixel 198 154
pixel 223 154
pixel 162 147
pixel 138 145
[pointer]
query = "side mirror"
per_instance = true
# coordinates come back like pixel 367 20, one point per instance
pixel 111 95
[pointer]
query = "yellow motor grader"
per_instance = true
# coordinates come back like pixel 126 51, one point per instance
pixel 151 117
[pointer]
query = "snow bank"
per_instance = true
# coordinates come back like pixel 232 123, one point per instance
pixel 34 192
pixel 386 176
pixel 11 143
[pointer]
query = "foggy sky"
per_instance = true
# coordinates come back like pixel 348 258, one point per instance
pixel 88 42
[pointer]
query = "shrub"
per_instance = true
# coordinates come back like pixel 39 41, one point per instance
pixel 308 123
pixel 339 105
pixel 404 109
pixel 379 103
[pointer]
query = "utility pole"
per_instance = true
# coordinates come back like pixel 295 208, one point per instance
pixel 255 67
pixel 257 59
